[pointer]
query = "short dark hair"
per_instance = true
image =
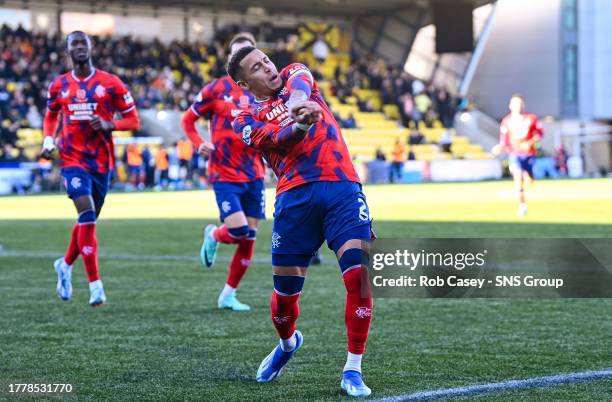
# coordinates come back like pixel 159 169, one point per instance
pixel 241 38
pixel 233 67
pixel 77 33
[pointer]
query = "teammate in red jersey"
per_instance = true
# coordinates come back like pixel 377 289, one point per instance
pixel 319 198
pixel 87 99
pixel 236 173
pixel 519 134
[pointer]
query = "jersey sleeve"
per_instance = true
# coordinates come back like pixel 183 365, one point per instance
pixel 504 133
pixel 122 98
pixel 264 136
pixel 298 77
pixel 204 101
pixel 538 129
pixel 53 104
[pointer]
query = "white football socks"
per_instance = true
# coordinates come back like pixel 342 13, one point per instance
pixel 95 284
pixel 353 362
pixel 228 291
pixel 287 345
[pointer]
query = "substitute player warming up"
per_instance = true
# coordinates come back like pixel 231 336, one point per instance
pixel 87 99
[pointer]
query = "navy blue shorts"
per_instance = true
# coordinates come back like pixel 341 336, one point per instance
pixel 249 197
pixel 523 163
pixel 307 215
pixel 80 182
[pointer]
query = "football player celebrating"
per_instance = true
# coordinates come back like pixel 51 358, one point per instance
pixel 236 173
pixel 319 198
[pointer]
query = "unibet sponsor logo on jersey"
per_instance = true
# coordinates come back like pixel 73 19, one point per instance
pixel 82 111
pixel 279 113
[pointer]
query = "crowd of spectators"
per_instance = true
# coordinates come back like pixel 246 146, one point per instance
pixel 417 102
pixel 168 76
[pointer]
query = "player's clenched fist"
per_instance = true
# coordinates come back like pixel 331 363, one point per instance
pixel 306 112
pixel 205 149
pixel 48 148
pixel 98 124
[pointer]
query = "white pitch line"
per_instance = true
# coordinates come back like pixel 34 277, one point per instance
pixel 535 382
pixel 258 259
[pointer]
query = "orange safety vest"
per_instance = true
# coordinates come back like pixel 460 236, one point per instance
pixel 134 157
pixel 161 160
pixel 398 153
pixel 185 150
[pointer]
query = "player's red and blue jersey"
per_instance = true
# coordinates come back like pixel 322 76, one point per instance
pixel 231 160
pixel 520 134
pixel 322 155
pixel 79 99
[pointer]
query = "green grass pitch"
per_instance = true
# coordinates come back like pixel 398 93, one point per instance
pixel 160 337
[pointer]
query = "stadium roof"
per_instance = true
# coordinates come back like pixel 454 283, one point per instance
pixel 336 8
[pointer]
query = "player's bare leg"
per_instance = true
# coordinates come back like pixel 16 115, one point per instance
pixel 285 310
pixel 517 176
pixel 357 315
pixel 236 229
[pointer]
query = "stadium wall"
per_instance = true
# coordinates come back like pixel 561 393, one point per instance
pixel 521 55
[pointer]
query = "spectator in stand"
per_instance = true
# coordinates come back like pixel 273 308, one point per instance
pixel 446 141
pixel 561 160
pixel 399 155
pixel 422 106
pixel 33 115
pixel 184 151
pixel 406 109
pixel 320 50
pixel 415 137
pixel 380 155
pixel 135 168
pixel 161 169
pixel 349 122
pixel 411 155
pixel 148 165
pixel 445 108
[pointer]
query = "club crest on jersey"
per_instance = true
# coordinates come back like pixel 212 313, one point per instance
pixel 100 91
pixel 127 98
pixel 244 102
pixel 81 94
pixel 246 135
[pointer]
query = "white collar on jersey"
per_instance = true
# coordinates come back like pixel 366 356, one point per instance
pixel 262 100
pixel 93 71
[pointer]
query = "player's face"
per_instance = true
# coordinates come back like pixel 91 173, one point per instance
pixel 516 105
pixel 79 48
pixel 260 74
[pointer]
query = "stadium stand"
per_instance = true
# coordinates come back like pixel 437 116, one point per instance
pixel 376 104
